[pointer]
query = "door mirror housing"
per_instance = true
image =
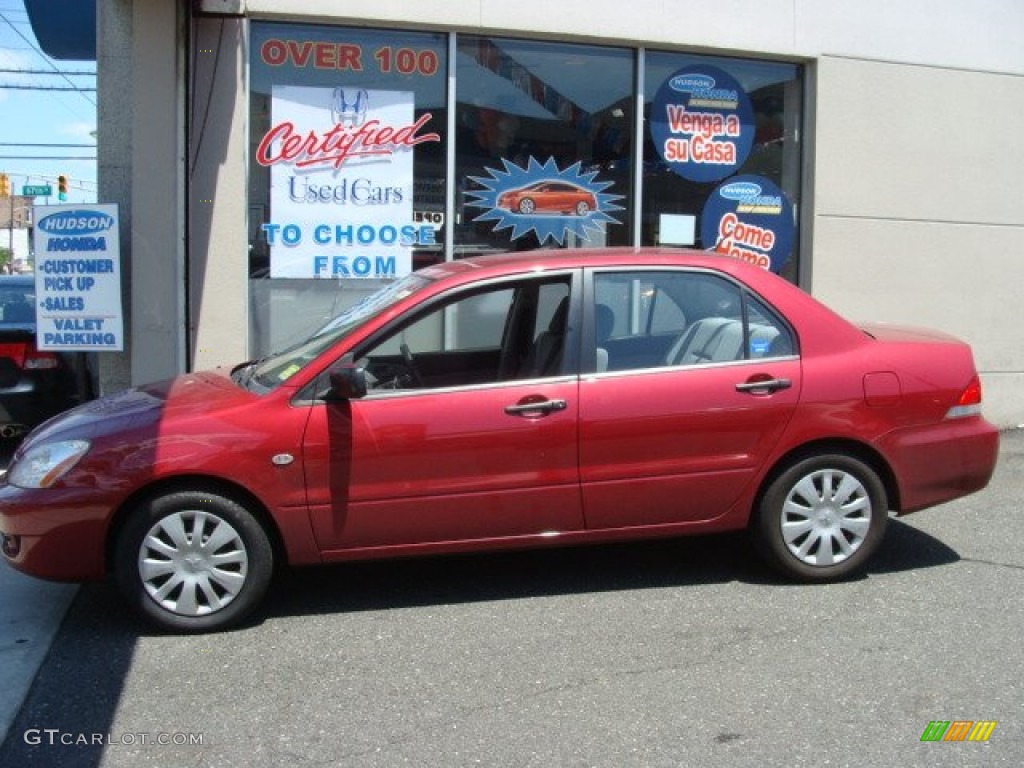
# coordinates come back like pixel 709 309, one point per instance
pixel 348 382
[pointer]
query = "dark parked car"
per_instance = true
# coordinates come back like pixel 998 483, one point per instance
pixel 34 384
pixel 508 401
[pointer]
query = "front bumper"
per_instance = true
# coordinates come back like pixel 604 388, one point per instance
pixel 54 534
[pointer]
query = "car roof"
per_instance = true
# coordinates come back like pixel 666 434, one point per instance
pixel 542 260
pixel 820 323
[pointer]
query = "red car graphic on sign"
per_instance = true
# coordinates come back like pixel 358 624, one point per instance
pixel 548 197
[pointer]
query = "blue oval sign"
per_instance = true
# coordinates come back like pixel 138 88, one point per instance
pixel 702 123
pixel 751 219
pixel 690 83
pixel 740 190
pixel 75 223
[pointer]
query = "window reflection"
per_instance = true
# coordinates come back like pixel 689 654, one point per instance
pixel 530 113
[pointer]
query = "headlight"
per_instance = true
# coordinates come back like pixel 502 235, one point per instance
pixel 43 465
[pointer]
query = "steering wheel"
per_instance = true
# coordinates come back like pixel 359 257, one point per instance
pixel 410 364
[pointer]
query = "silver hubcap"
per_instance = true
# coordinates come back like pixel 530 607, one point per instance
pixel 193 563
pixel 826 517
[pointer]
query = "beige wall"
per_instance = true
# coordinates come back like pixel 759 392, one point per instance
pixel 158 192
pixel 915 216
pixel 981 34
pixel 218 242
pixel 141 144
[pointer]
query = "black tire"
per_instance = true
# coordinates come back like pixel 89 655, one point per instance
pixel 187 583
pixel 526 206
pixel 821 519
pixel 582 209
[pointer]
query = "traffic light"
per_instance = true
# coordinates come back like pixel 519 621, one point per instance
pixel 5 185
pixel 62 188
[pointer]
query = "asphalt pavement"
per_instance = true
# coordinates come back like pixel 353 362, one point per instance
pixel 671 653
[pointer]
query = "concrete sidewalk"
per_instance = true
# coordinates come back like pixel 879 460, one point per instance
pixel 31 611
pixel 30 615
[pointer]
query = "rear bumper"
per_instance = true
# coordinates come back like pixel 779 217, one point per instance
pixel 943 462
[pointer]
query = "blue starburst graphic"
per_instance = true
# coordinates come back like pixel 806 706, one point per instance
pixel 542 199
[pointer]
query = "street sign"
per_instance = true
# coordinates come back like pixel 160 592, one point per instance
pixel 43 190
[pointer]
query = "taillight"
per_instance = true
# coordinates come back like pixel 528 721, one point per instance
pixel 26 357
pixel 969 402
pixel 40 361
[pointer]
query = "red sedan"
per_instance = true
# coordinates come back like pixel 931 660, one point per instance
pixel 508 401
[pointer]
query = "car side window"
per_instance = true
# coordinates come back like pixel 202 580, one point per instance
pixel 643 317
pixel 652 319
pixel 508 331
pixel 767 335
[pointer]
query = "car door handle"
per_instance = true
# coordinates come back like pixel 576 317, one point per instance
pixel 764 385
pixel 540 407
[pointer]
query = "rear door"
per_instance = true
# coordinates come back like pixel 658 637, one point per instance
pixel 667 441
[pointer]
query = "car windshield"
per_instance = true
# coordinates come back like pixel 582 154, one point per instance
pixel 17 302
pixel 271 371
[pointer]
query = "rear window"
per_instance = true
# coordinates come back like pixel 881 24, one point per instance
pixel 17 302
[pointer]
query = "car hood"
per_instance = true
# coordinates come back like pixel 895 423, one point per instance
pixel 191 395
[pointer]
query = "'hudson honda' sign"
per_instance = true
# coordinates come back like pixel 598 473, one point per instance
pixel 78 278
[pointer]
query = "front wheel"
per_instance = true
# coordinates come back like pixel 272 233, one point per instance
pixel 822 518
pixel 192 561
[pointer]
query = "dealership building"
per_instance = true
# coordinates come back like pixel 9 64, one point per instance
pixel 274 162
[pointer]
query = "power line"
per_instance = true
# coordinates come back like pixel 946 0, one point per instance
pixel 11 87
pixel 63 146
pixel 22 71
pixel 47 157
pixel 46 58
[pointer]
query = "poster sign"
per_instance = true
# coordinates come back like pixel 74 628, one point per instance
pixel 545 200
pixel 78 278
pixel 341 178
pixel 702 123
pixel 749 218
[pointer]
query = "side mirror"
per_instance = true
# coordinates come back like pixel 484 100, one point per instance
pixel 348 382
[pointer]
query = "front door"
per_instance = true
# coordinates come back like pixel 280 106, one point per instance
pixel 468 431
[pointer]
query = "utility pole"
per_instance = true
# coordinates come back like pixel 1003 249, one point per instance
pixel 7 188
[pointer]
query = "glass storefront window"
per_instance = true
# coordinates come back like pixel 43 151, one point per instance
pixel 543 145
pixel 351 141
pixel 347 169
pixel 721 157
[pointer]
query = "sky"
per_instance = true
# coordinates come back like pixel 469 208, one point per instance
pixel 44 117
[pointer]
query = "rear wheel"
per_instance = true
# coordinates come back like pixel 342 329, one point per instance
pixel 822 518
pixel 193 561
